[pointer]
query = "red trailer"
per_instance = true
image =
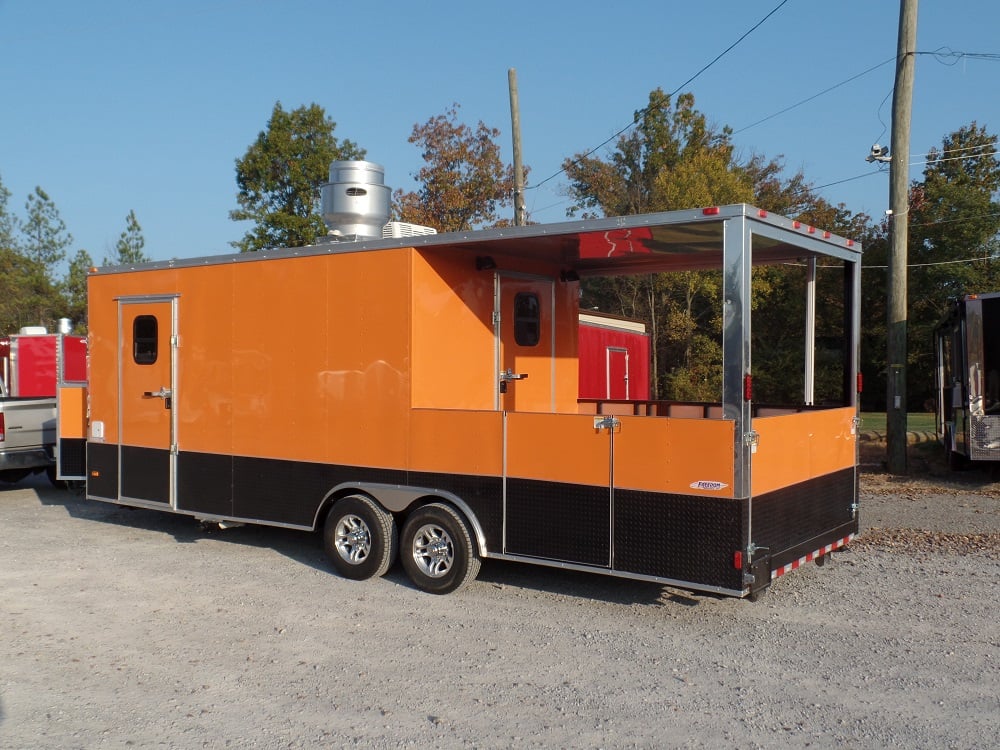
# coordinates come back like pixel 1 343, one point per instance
pixel 32 364
pixel 614 358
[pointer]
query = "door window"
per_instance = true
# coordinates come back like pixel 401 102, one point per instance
pixel 144 342
pixel 527 319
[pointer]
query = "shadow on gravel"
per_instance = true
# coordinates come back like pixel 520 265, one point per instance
pixel 301 546
pixel 306 548
pixel 505 574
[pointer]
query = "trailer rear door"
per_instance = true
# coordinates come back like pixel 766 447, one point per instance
pixel 146 375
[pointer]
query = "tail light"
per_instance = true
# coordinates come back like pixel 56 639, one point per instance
pixel 3 428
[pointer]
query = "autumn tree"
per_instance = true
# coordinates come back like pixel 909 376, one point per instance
pixel 280 175
pixel 463 181
pixel 672 159
pixel 128 248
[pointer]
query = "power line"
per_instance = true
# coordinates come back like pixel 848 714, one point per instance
pixel 645 110
pixel 815 96
pixel 938 54
pixel 952 158
pixel 958 150
pixel 940 263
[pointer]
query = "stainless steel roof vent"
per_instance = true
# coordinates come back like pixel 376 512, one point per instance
pixel 355 202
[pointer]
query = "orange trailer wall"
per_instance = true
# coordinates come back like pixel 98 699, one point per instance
pixel 275 360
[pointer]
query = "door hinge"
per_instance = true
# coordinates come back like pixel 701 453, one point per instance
pixel 752 439
pixel 855 425
pixel 496 318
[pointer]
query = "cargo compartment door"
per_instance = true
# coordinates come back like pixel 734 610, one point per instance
pixel 147 339
pixel 557 487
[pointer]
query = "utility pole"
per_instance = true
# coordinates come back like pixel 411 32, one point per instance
pixel 520 212
pixel 899 182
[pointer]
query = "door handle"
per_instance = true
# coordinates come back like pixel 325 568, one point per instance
pixel 162 393
pixel 509 374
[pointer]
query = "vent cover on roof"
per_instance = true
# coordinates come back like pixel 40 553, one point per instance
pixel 402 229
pixel 355 202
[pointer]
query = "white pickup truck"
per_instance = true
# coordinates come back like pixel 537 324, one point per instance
pixel 27 436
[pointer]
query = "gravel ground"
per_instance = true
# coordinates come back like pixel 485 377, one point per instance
pixel 122 628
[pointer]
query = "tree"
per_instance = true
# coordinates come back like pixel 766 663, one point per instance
pixel 9 225
pixel 953 226
pixel 75 289
pixel 45 235
pixel 280 174
pixel 463 181
pixel 674 159
pixel 128 249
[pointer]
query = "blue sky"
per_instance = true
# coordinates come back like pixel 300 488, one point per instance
pixel 112 106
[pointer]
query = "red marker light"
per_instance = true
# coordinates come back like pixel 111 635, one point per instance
pixel 811 230
pixel 762 213
pixel 747 387
pixel 738 560
pixel 860 382
pixel 796 225
pixel 826 235
pixel 713 211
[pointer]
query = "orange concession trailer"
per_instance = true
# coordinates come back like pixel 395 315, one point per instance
pixel 417 398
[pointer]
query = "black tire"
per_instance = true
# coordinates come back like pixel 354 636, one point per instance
pixel 50 473
pixel 360 538
pixel 438 553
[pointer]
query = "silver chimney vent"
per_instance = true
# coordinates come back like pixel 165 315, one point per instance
pixel 355 201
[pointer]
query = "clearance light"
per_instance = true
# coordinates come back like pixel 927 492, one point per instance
pixel 826 235
pixel 811 230
pixel 796 225
pixel 738 560
pixel 713 211
pixel 861 382
pixel 762 213
pixel 850 243
pixel 747 387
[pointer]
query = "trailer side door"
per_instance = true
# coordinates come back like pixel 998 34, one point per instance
pixel 147 398
pixel 525 343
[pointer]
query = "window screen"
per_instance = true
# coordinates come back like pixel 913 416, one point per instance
pixel 144 330
pixel 527 319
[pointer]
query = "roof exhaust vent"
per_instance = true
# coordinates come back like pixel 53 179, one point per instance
pixel 355 202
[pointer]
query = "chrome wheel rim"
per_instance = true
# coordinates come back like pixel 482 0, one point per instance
pixel 433 550
pixel 353 539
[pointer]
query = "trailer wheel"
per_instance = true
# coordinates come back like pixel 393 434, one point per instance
pixel 438 552
pixel 360 538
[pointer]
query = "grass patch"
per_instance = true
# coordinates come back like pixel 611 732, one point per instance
pixel 915 421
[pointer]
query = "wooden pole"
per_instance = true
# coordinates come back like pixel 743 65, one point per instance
pixel 520 212
pixel 899 178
